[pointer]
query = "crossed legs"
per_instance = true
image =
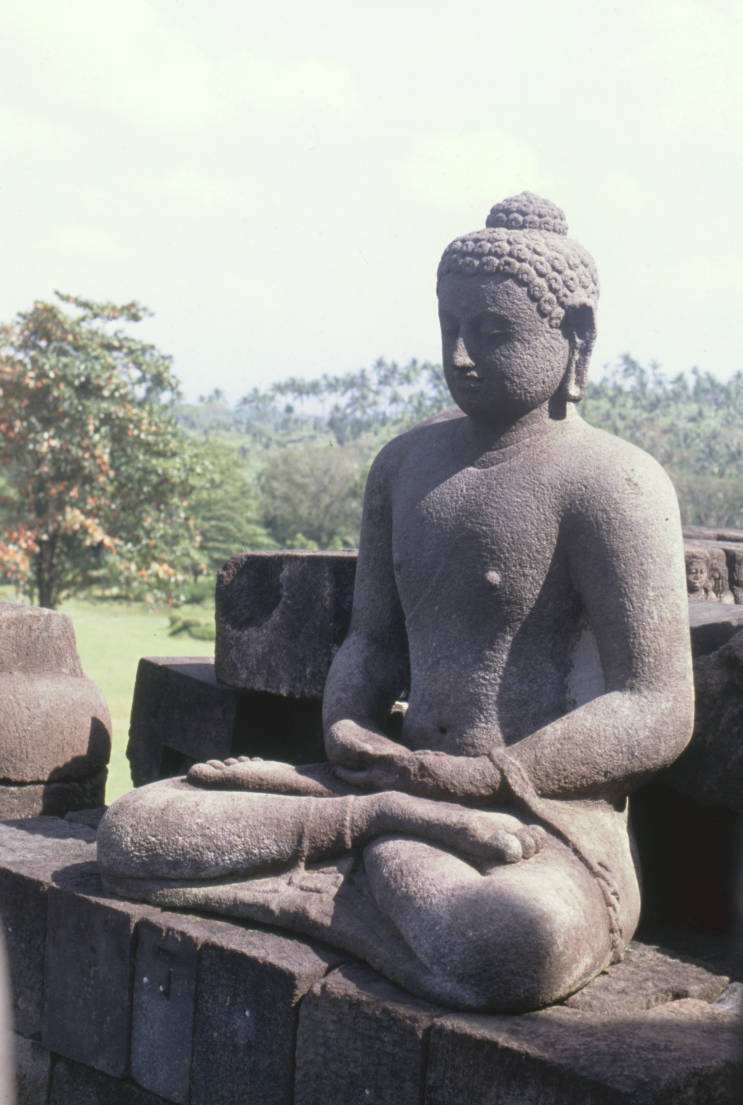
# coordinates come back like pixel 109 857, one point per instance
pixel 483 911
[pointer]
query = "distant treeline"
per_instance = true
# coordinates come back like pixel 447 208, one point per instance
pixel 110 484
pixel 296 454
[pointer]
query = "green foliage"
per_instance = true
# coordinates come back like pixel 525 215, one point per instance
pixel 192 627
pixel 310 442
pixel 226 507
pixel 309 494
pixel 97 473
pixel 312 496
pixel 693 425
pixel 377 402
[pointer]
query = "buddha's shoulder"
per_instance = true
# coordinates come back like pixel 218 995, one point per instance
pixel 595 462
pixel 428 438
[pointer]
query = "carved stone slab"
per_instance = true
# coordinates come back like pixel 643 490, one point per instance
pixel 281 618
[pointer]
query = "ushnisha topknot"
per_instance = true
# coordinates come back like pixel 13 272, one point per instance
pixel 525 237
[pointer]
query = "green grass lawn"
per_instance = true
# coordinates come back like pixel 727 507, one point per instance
pixel 111 638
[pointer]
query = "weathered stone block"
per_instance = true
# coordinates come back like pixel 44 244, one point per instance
pixel 30 854
pixel 646 977
pixel 712 625
pixel 23 912
pixel 163 1008
pixel 53 799
pixel 249 985
pixel 361 1040
pixel 178 705
pixel 281 618
pixel 7 1053
pixel 33 1063
pixel 710 770
pixel 89 962
pixel 182 715
pixel 73 1084
pixel 685 1051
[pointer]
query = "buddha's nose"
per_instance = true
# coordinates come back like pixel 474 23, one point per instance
pixel 460 356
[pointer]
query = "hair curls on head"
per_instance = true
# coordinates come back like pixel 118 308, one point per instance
pixel 525 238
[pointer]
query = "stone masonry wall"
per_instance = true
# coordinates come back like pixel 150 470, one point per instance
pixel 126 1004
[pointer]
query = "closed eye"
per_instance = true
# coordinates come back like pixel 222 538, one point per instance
pixel 493 326
pixel 494 331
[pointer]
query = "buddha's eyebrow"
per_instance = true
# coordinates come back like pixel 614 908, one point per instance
pixel 492 316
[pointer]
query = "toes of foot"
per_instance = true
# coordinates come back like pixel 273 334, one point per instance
pixel 200 773
pixel 532 839
pixel 218 765
pixel 230 761
pixel 509 846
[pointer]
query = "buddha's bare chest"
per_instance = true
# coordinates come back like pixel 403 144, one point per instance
pixel 479 536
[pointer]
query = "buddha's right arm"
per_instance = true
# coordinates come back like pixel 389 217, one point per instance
pixel 369 671
pixel 364 680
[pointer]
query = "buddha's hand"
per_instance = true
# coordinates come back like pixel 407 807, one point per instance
pixel 469 779
pixel 356 747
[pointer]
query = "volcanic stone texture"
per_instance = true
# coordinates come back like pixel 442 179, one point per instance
pixel 281 617
pixel 54 723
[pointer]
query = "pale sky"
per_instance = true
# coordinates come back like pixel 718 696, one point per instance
pixel 277 181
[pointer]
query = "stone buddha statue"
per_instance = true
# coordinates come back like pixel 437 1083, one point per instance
pixel 522 574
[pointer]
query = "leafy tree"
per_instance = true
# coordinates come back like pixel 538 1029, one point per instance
pixel 378 402
pixel 692 424
pixel 97 473
pixel 312 497
pixel 226 507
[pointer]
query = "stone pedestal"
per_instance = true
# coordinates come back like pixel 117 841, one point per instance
pixel 182 715
pixel 124 1003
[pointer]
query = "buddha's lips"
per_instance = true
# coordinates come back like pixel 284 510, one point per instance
pixel 468 378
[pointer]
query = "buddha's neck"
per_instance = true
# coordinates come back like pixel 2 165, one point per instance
pixel 486 437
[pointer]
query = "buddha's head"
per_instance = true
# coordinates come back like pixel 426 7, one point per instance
pixel 517 304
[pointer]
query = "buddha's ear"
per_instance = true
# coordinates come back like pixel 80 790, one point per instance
pixel 579 326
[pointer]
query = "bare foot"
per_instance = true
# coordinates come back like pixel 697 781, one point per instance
pixel 489 835
pixel 496 837
pixel 269 776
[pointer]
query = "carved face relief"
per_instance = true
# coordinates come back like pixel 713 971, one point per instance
pixel 696 575
pixel 501 358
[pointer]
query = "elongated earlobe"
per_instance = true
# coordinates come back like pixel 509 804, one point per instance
pixel 579 326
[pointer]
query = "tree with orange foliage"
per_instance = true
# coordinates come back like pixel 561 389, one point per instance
pixel 97 475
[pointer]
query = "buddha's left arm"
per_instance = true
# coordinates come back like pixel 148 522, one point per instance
pixel 625 552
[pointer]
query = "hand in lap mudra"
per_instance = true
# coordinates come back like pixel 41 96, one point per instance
pixel 522 573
